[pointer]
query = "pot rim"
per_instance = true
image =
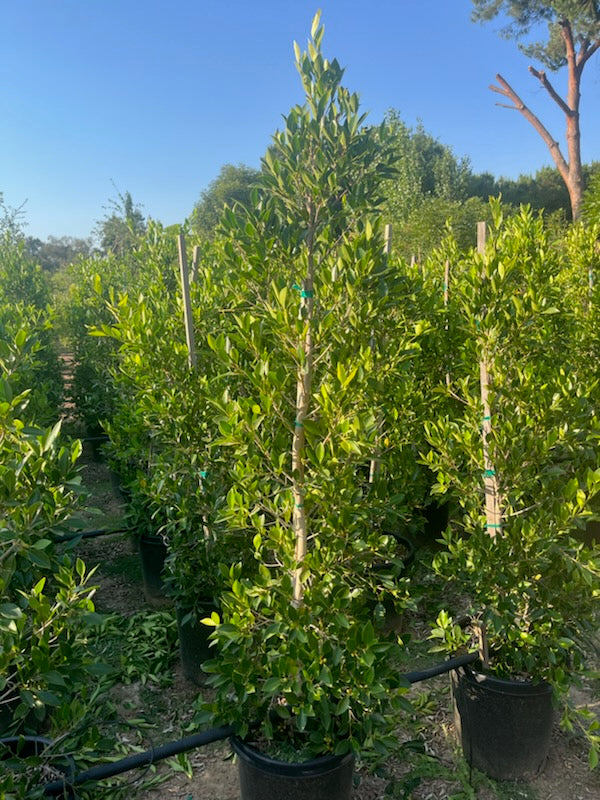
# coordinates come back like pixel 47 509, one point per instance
pixel 504 686
pixel 312 767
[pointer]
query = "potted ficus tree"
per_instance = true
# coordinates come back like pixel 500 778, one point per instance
pixel 522 460
pixel 308 301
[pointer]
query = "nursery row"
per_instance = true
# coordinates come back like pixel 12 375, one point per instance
pixel 327 398
pixel 330 396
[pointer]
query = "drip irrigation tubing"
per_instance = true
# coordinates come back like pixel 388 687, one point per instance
pixel 68 537
pixel 148 757
pixel 440 669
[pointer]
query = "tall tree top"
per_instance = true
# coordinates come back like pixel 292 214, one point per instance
pixel 525 17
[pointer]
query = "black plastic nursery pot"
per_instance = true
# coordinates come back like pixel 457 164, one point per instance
pixel 437 515
pixel 153 552
pixel 95 441
pixel 118 488
pixel 263 778
pixel 504 726
pixel 61 767
pixel 194 644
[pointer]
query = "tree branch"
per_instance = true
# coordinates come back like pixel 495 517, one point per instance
pixel 506 89
pixel 586 52
pixel 543 79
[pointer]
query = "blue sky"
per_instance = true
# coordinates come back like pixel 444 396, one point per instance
pixel 156 95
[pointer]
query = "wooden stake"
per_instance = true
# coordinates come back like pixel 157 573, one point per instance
pixel 481 237
pixel 195 260
pixel 187 303
pixel 482 642
pixel 387 239
pixel 493 511
pixel 303 407
pixel 387 249
pixel 446 290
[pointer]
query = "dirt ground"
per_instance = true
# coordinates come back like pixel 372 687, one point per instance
pixel 445 776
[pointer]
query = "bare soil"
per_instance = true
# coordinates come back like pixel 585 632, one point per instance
pixel 444 776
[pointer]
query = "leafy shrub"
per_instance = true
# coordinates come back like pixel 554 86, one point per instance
pixel 28 356
pixel 44 601
pixel 44 657
pixel 532 585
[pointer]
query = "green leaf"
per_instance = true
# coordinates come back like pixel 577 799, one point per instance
pixel 49 698
pixel 342 706
pixel 41 544
pixel 272 686
pixel 325 676
pixel 315 24
pixel 10 611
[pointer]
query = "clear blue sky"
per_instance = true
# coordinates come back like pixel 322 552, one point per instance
pixel 156 95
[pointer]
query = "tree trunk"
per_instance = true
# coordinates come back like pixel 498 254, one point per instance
pixel 570 171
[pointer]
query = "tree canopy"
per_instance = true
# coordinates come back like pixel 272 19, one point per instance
pixel 424 168
pixel 120 230
pixel 232 185
pixel 526 16
pixel 11 219
pixel 57 251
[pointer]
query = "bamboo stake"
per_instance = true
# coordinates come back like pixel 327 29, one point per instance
pixel 493 511
pixel 446 291
pixel 303 395
pixel 195 261
pixel 189 329
pixel 387 239
pixel 387 249
pixel 482 643
pixel 187 303
pixel 591 276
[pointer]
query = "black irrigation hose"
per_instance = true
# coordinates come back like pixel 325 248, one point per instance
pixel 68 537
pixel 102 771
pixel 440 669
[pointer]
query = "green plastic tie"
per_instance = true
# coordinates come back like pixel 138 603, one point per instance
pixel 493 525
pixel 303 292
pixel 489 473
pixel 203 473
pixel 298 424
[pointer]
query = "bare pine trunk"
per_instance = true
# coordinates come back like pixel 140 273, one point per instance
pixel 570 169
